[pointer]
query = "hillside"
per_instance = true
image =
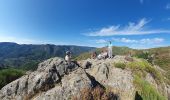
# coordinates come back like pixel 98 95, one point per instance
pixel 28 56
pixel 109 79
pixel 157 56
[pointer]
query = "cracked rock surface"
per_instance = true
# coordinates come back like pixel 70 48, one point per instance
pixel 55 79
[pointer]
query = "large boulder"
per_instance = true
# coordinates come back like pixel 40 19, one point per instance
pixel 47 75
pixel 70 85
pixel 118 80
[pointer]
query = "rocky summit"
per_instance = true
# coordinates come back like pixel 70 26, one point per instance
pixel 120 78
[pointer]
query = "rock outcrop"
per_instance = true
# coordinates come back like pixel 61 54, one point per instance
pixel 55 79
pixel 48 74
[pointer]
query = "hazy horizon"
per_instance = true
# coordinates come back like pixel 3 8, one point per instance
pixel 84 45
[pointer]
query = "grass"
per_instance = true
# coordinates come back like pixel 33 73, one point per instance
pixel 164 63
pixel 141 68
pixel 161 58
pixel 9 75
pixel 120 65
pixel 146 90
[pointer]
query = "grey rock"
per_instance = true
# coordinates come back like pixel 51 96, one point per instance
pixel 86 64
pixel 55 79
pixel 70 85
pixel 47 75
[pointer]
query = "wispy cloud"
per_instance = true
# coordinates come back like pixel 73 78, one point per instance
pixel 138 28
pixel 141 41
pixel 100 41
pixel 168 6
pixel 151 41
pixel 129 41
pixel 124 40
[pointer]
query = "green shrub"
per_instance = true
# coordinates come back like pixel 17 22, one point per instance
pixel 146 90
pixel 164 63
pixel 142 54
pixel 145 55
pixel 120 65
pixel 138 68
pixel 9 75
pixel 31 65
pixel 141 67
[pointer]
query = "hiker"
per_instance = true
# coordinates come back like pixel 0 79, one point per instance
pixel 105 54
pixel 68 56
pixel 69 61
pixel 110 49
pixel 99 57
pixel 93 55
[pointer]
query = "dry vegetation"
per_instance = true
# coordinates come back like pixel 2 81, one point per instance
pixel 97 93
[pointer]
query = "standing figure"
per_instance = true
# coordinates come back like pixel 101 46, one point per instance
pixel 110 49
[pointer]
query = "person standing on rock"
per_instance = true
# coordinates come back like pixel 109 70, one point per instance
pixel 110 49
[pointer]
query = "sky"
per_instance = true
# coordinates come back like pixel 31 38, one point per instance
pixel 137 24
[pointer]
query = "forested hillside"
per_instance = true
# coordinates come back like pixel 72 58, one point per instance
pixel 28 56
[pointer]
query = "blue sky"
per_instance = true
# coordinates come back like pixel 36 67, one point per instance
pixel 132 23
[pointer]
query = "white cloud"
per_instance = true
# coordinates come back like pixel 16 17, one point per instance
pixel 143 46
pixel 141 41
pixel 100 41
pixel 135 43
pixel 151 41
pixel 124 40
pixel 131 29
pixel 168 6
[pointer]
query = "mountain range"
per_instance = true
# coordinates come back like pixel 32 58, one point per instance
pixel 27 56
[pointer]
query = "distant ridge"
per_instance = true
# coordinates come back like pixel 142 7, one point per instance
pixel 27 56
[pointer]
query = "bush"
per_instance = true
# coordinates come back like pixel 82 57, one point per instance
pixel 9 75
pixel 141 67
pixel 145 55
pixel 146 90
pixel 32 66
pixel 120 65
